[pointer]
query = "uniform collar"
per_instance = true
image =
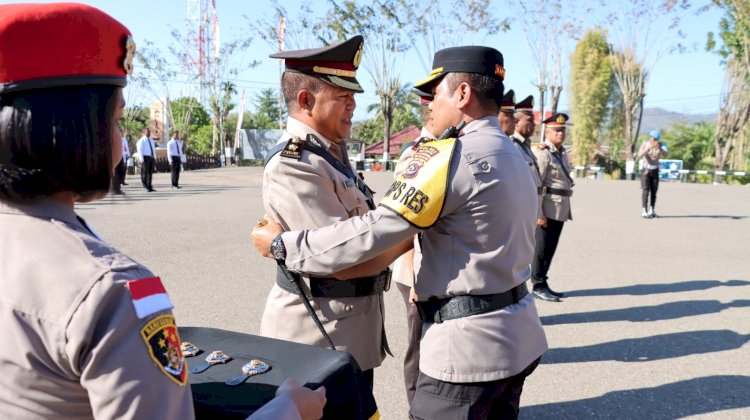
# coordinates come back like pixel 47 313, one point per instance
pixel 426 134
pixel 480 123
pixel 297 128
pixel 43 208
pixel 552 147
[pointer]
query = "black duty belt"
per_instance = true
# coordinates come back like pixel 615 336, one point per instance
pixel 558 191
pixel 439 310
pixel 332 288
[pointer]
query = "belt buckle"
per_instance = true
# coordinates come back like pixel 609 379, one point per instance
pixel 388 275
pixel 544 190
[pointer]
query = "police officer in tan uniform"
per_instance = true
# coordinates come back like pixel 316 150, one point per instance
pixel 521 137
pixel 87 332
pixel 308 183
pixel 473 202
pixel 506 116
pixel 557 185
pixel 649 153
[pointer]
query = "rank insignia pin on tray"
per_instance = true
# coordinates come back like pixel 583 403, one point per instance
pixel 254 367
pixel 189 349
pixel 216 357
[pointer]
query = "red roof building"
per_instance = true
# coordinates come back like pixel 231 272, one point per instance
pixel 396 142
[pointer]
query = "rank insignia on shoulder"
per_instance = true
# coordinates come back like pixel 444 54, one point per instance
pixel 163 342
pixel 189 349
pixel 348 183
pixel 293 148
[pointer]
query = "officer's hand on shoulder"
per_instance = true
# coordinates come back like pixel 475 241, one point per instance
pixel 309 403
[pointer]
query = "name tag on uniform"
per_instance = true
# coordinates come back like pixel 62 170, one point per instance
pixel 348 183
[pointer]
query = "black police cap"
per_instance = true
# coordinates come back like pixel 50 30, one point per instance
pixel 508 103
pixel 526 105
pixel 335 64
pixel 470 59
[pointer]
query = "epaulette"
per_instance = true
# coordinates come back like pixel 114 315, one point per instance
pixel 420 141
pixel 293 148
pixel 542 146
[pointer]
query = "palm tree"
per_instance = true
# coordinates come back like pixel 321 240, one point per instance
pixel 394 97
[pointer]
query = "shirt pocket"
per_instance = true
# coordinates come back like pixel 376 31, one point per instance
pixel 334 309
pixel 352 200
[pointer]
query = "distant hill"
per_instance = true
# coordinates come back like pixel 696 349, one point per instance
pixel 660 119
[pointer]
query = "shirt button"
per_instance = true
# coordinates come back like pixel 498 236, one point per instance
pixel 348 308
pixel 485 166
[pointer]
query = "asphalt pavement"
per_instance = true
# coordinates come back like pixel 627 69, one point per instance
pixel 655 323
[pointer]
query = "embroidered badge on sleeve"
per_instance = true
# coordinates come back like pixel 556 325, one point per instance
pixel 163 344
pixel 149 296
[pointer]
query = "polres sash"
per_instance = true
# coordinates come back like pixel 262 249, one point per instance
pixel 418 193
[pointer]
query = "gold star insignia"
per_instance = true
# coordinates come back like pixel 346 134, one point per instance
pixel 293 147
pixel 162 343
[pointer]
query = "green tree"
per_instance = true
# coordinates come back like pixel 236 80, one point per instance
pixel 267 112
pixel 693 144
pixel 591 79
pixel 734 114
pixel 195 118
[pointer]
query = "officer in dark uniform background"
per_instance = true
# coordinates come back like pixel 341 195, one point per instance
pixel 557 184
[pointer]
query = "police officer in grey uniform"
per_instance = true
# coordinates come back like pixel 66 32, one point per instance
pixel 308 182
pixel 87 331
pixel 472 201
pixel 557 186
pixel 521 137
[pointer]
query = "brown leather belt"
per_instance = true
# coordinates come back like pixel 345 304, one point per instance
pixel 332 288
pixel 439 310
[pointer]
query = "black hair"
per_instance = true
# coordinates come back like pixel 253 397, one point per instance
pixel 292 82
pixel 56 139
pixel 489 89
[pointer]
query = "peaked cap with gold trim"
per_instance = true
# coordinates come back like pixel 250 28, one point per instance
pixel 470 59
pixel 526 106
pixel 508 103
pixel 62 44
pixel 557 120
pixel 335 64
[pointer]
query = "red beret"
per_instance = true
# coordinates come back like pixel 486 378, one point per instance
pixel 62 44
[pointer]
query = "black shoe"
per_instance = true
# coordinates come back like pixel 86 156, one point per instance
pixel 118 192
pixel 544 294
pixel 124 183
pixel 151 190
pixel 554 293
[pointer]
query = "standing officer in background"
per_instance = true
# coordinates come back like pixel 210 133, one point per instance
pixel 506 116
pixel 649 153
pixel 147 150
pixel 308 182
pixel 87 331
pixel 557 187
pixel 473 203
pixel 524 129
pixel 118 180
pixel 174 151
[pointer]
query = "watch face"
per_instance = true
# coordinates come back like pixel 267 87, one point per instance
pixel 277 249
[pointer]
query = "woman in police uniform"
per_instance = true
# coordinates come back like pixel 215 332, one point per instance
pixel 87 332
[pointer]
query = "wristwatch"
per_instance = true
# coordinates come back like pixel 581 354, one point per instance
pixel 277 248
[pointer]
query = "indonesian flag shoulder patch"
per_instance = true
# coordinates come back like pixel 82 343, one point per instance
pixel 163 342
pixel 149 296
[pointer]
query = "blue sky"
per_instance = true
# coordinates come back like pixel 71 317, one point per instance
pixel 690 82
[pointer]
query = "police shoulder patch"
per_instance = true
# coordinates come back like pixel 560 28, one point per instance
pixel 293 148
pixel 418 194
pixel 163 343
